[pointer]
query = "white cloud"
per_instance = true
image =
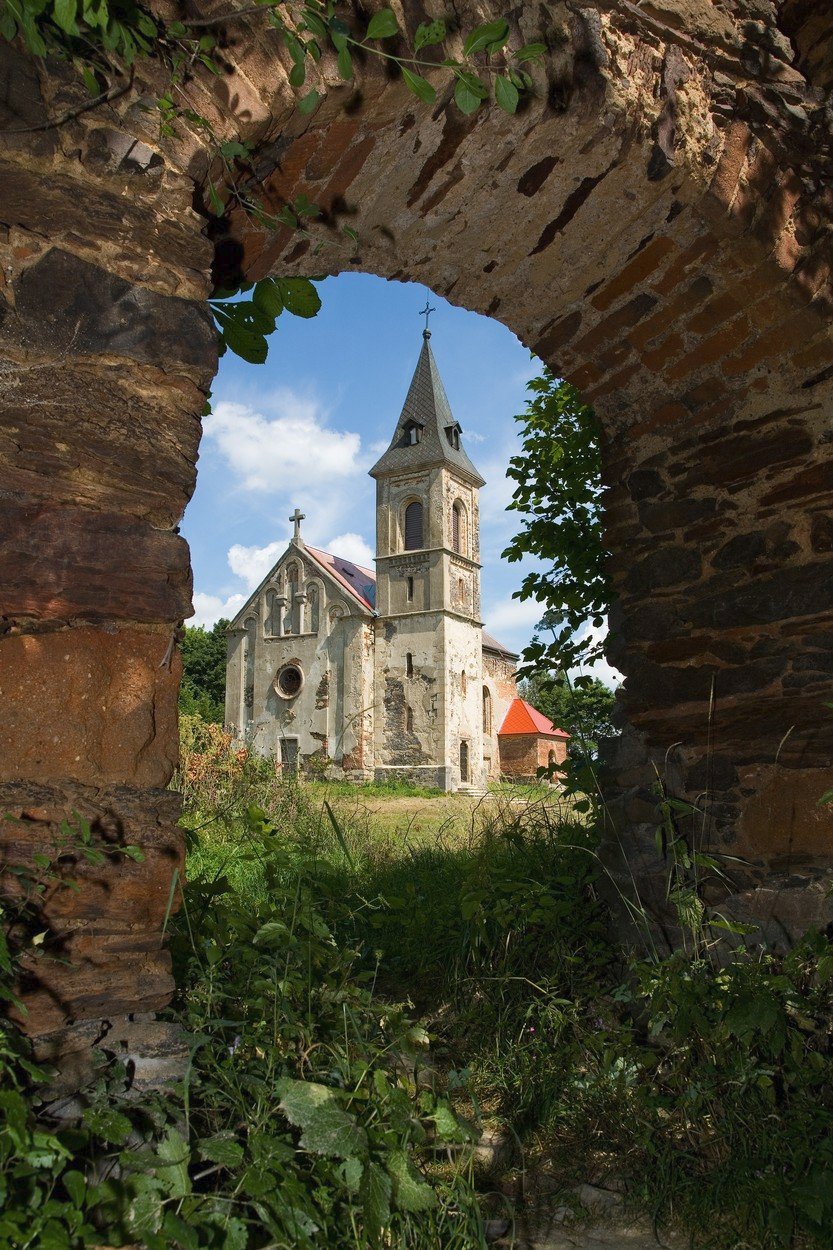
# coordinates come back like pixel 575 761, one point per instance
pixel 472 436
pixel 208 609
pixel 512 615
pixel 253 563
pixel 284 442
pixel 352 547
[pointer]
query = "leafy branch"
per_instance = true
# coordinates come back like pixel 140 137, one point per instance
pixel 104 39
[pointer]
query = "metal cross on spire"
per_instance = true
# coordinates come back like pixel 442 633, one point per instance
pixel 297 516
pixel 426 313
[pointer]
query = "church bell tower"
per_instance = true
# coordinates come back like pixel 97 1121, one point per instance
pixel 428 649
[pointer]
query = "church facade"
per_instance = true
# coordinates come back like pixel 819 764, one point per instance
pixel 375 675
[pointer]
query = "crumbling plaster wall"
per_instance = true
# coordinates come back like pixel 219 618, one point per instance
pixel 655 225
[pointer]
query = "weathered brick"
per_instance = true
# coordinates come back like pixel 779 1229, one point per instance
pixel 635 272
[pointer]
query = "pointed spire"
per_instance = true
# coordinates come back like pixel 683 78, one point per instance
pixel 426 433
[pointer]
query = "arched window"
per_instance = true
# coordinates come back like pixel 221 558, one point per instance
pixel 464 761
pixel 487 710
pixel 272 624
pixel 413 526
pixel 313 610
pixel 463 683
pixel 291 623
pixel 551 759
pixel 459 530
pixel 409 665
pixel 409 720
pixel 250 626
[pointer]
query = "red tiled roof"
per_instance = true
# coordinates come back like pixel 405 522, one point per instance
pixel 523 718
pixel 359 581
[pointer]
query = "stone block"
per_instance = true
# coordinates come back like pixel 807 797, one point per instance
pixel 58 563
pixel 781 817
pixel 64 304
pixel 88 705
pixel 121 438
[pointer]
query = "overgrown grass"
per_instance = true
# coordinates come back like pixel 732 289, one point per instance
pixel 314 1107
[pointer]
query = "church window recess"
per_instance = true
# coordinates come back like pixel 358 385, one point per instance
pixel 464 682
pixel 464 762
pixel 413 433
pixel 409 720
pixel 409 665
pixel 413 526
pixel 410 587
pixel 289 681
pixel 274 605
pixel 459 530
pixel 289 755
pixel 291 621
pixel 487 710
pixel 313 610
pixel 452 433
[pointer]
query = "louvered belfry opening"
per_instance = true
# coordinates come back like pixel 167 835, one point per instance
pixel 413 526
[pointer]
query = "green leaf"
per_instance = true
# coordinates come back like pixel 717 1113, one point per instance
pixel 421 87
pixel 144 1215
pixel 491 35
pixel 296 48
pixel 172 1170
pixel 299 296
pixel 375 1195
pixel 76 1187
pixel 221 1148
pixel 234 148
pixel 530 52
pixel 428 34
pixel 308 102
pixel 827 797
pixel 326 1128
pixel 345 64
pixel 352 1171
pixel 409 1189
pixel 267 297
pixel 8 26
pixel 315 23
pixel 247 344
pixel 64 14
pixel 506 94
pixel 107 1124
pixel 467 97
pixel 382 25
pixel 297 74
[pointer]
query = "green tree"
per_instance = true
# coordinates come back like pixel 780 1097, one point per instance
pixel 584 711
pixel 203 689
pixel 558 495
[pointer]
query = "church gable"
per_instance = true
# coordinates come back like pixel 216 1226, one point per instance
pixel 293 593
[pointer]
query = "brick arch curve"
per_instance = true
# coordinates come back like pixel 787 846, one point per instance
pixel 655 226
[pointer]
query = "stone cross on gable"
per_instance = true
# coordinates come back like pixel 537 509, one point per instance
pixel 297 516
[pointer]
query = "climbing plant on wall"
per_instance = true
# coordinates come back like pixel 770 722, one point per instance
pixel 105 40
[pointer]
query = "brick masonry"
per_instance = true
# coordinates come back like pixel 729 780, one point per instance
pixel 655 224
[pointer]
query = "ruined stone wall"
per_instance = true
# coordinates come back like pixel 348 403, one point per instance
pixel 655 224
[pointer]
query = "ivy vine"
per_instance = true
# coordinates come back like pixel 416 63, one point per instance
pixel 104 40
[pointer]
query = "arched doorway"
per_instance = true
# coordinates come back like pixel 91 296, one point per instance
pixel 650 226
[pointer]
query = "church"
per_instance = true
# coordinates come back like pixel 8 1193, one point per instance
pixel 342 671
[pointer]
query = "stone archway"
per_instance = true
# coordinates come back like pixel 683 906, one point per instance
pixel 656 226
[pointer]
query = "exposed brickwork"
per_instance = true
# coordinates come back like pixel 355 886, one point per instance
pixel 664 238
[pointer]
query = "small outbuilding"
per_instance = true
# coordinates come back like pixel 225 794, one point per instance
pixel 529 741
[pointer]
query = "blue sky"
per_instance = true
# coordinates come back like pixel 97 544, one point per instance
pixel 303 429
